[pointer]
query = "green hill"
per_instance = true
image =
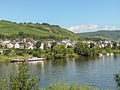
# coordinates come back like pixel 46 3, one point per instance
pixel 11 30
pixel 36 29
pixel 106 34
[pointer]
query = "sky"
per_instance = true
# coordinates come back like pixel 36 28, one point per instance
pixel 74 15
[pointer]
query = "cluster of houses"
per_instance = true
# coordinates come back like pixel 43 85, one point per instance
pixel 29 43
pixel 101 44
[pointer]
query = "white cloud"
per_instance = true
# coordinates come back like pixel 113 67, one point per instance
pixel 91 28
pixel 106 27
pixel 109 27
pixel 83 28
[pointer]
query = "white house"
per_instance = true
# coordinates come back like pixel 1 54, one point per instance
pixel 30 47
pixel 1 51
pixel 42 46
pixel 49 45
pixel 10 45
pixel 68 44
pixel 17 45
pixel 6 41
pixel 3 43
pixel 103 45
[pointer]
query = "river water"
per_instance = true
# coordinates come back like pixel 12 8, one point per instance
pixel 97 72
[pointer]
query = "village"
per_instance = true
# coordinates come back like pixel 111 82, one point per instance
pixel 29 43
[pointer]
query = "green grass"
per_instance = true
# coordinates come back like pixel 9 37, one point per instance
pixel 4 58
pixel 10 28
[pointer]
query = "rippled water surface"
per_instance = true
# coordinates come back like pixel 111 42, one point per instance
pixel 97 72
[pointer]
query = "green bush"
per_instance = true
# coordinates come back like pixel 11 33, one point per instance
pixel 22 80
pixel 20 53
pixel 58 85
pixel 117 78
pixel 35 54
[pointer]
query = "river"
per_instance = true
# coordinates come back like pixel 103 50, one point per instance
pixel 97 72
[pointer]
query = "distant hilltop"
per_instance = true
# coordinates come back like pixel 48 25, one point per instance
pixel 106 34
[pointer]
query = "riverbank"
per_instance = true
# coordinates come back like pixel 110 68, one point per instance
pixel 7 59
pixel 59 51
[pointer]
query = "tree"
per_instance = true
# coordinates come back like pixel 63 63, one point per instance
pixel 117 78
pixel 45 47
pixel 0 46
pixel 59 51
pixel 22 80
pixel 53 45
pixel 20 53
pixel 35 54
pixel 70 51
pixel 38 44
pixel 45 24
pixel 5 47
pixel 82 49
pixel 21 33
pixel 114 45
pixel 6 52
pixel 92 45
pixel 94 51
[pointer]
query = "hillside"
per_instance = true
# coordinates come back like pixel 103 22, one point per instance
pixel 111 35
pixel 44 29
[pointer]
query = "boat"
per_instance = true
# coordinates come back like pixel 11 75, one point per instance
pixel 28 60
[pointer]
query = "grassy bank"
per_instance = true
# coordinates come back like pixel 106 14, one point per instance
pixel 4 58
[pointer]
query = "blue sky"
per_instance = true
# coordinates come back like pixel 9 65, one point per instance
pixel 75 15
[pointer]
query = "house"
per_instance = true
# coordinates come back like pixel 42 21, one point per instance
pixel 73 43
pixel 21 45
pixel 58 42
pixel 42 46
pixel 111 45
pixel 1 51
pixel 17 45
pixel 3 43
pixel 19 40
pixel 48 44
pixel 106 42
pixel 30 40
pixel 64 41
pixel 10 45
pixel 30 47
pixel 68 44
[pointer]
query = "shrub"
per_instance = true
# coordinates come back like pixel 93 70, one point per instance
pixel 22 80
pixel 35 54
pixel 117 78
pixel 20 53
